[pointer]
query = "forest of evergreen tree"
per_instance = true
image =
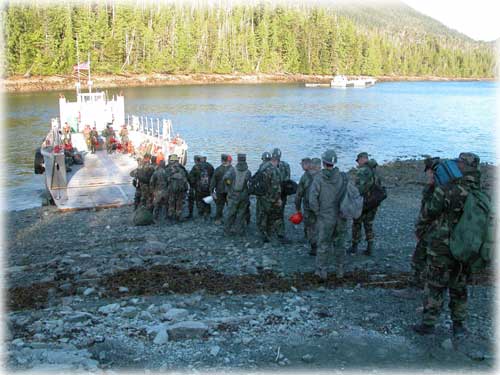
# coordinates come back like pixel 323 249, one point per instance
pixel 182 38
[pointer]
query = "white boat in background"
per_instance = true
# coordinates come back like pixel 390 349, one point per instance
pixel 103 180
pixel 340 81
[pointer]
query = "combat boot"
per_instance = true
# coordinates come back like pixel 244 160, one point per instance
pixel 423 329
pixel 369 249
pixel 354 248
pixel 314 248
pixel 339 273
pixel 459 329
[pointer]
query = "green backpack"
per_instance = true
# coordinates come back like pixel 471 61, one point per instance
pixel 472 238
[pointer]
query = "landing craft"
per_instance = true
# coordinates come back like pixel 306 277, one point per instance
pixel 103 180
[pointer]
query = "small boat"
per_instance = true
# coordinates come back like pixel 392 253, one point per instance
pixel 340 81
pixel 317 85
pixel 101 179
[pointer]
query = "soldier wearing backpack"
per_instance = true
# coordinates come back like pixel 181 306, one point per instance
pixel 238 198
pixel 311 169
pixel 365 181
pixel 142 175
pixel 177 186
pixel 324 200
pixel 192 185
pixel 217 187
pixel 444 272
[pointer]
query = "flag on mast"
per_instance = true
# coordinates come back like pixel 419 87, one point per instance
pixel 82 66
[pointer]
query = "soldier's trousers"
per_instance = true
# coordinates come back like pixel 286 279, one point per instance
pixel 137 197
pixel 280 227
pixel 418 259
pixel 160 201
pixel 269 217
pixel 220 202
pixel 235 220
pixel 310 227
pixel 146 196
pixel 330 234
pixel 441 275
pixel 366 219
pixel 175 202
pixel 191 200
pixel 203 208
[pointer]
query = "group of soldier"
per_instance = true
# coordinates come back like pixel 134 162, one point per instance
pixel 92 138
pixel 317 197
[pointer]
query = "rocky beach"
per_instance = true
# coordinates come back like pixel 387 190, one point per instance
pixel 87 290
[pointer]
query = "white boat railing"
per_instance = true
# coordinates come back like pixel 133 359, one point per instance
pixel 155 127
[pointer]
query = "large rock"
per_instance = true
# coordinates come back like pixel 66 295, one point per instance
pixel 109 309
pixel 175 314
pixel 187 330
pixel 161 337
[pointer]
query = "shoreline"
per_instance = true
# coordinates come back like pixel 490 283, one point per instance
pixel 15 84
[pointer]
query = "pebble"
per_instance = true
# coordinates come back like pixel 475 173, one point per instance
pixel 162 337
pixel 187 330
pixel 109 309
pixel 123 289
pixel 447 344
pixel 214 350
pixel 307 358
pixel 88 291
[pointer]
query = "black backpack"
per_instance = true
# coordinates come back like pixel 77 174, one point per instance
pixel 375 195
pixel 257 184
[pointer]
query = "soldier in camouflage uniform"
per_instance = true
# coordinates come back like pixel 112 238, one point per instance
pixel 94 137
pixel 284 171
pixel 444 272
pixel 269 205
pixel 324 201
pixel 421 227
pixel 266 157
pixel 238 198
pixel 312 168
pixel 143 175
pixel 365 180
pixel 192 185
pixel 177 186
pixel 217 187
pixel 158 185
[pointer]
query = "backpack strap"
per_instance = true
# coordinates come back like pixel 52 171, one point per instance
pixel 343 189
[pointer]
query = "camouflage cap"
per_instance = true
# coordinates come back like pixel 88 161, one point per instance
pixel 305 160
pixel 316 162
pixel 173 157
pixel 362 155
pixel 197 158
pixel 470 159
pixel 329 157
pixel 223 157
pixel 266 156
pixel 242 157
pixel 431 163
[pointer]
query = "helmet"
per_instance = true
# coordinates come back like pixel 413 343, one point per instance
pixel 470 160
pixel 197 158
pixel 296 218
pixel 266 156
pixel 173 157
pixel 329 157
pixel 431 163
pixel 276 153
pixel 242 157
pixel 362 155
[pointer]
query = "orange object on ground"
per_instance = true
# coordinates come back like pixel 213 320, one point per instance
pixel 296 218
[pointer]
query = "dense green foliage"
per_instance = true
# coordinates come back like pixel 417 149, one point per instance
pixel 179 38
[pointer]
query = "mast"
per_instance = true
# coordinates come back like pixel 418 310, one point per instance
pixel 89 82
pixel 78 85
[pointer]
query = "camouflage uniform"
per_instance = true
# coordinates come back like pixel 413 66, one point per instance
pixel 94 135
pixel 158 184
pixel 238 198
pixel 143 175
pixel 302 198
pixel 177 185
pixel 324 198
pixel 443 210
pixel 124 138
pixel 217 186
pixel 202 178
pixel 284 172
pixel 192 184
pixel 365 179
pixel 421 228
pixel 268 206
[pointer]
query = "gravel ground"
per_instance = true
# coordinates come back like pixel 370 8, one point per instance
pixel 89 291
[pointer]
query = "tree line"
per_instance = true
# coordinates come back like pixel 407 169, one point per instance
pixel 182 38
